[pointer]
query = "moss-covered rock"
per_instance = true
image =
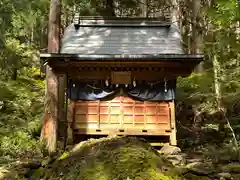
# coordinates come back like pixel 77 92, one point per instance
pixel 235 176
pixel 117 158
pixel 231 168
pixel 191 176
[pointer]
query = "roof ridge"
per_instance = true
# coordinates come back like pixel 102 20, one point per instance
pixel 120 21
pixel 114 17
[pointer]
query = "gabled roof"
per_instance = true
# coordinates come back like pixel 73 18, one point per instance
pixel 118 36
pixel 121 42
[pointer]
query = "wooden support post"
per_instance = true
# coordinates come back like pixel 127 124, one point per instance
pixel 61 96
pixel 71 122
pixel 173 136
pixel 62 84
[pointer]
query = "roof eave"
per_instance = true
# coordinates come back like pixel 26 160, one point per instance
pixel 109 57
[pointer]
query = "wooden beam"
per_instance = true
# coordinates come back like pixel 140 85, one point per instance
pixel 154 74
pixel 159 144
pixel 114 64
pixel 135 132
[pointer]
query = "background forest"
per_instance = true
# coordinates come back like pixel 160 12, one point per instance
pixel 208 101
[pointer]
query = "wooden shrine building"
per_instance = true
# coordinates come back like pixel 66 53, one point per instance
pixel 121 76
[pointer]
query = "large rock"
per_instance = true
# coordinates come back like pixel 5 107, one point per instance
pixel 231 168
pixel 170 150
pixel 177 159
pixel 110 158
pixel 201 169
pixel 224 175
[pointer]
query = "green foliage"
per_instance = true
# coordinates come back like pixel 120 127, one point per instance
pixel 19 143
pixel 226 152
pixel 17 55
pixel 222 38
pixel 20 117
pixel 20 35
pixel 220 33
pixel 197 90
pixel 6 93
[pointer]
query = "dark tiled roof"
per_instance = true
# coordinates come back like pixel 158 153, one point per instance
pixel 126 36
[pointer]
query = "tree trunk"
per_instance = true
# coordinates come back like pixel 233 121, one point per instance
pixel 144 8
pixel 49 134
pixel 218 93
pixel 197 124
pixel 14 74
pixel 175 13
pixel 184 27
pixel 194 48
pixel 110 8
pixel 195 34
pixel 32 34
pixel 217 85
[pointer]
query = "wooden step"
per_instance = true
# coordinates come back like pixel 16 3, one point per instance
pixel 155 144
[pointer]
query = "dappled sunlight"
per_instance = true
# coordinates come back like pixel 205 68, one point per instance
pixel 121 40
pixel 176 34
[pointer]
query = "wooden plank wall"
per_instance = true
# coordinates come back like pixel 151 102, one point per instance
pixel 122 115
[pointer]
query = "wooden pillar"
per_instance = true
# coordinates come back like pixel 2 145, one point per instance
pixel 62 101
pixel 71 122
pixel 61 96
pixel 173 136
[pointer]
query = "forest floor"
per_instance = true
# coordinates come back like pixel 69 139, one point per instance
pixel 130 158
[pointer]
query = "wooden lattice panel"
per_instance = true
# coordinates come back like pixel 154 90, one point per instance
pixel 122 113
